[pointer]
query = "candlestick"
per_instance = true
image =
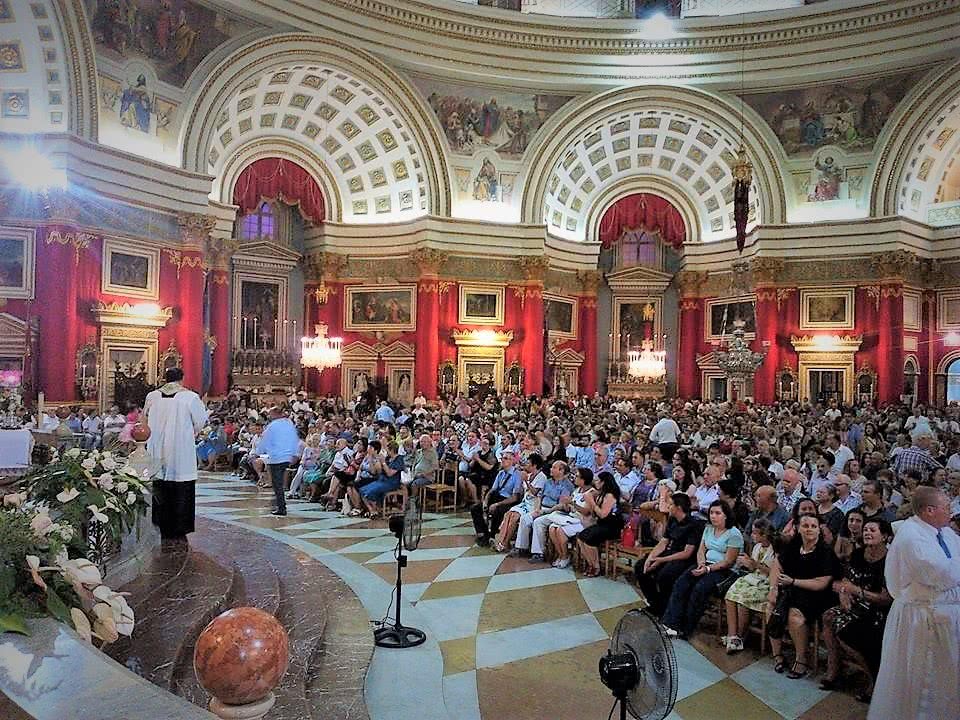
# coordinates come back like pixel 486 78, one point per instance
pixel 255 332
pixel 276 334
pixel 243 334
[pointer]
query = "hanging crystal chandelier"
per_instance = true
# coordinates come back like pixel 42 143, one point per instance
pixel 320 352
pixel 647 365
pixel 738 361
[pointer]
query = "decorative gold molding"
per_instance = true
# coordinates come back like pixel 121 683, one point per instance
pixel 826 343
pixel 220 278
pixel 766 270
pixel 534 267
pixel 429 261
pixel 218 251
pixel 873 291
pixel 691 282
pixel 322 293
pixel 688 304
pixel 443 287
pixel 590 280
pixel 893 264
pixel 146 315
pixel 482 338
pixel 195 228
pixel 79 240
pixel 324 266
pixel 181 261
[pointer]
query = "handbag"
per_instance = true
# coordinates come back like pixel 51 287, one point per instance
pixel 777 622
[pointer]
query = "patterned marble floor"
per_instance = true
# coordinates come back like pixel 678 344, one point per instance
pixel 500 629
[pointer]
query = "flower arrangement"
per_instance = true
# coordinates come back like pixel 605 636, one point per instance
pixel 54 534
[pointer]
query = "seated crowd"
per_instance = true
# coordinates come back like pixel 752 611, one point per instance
pixel 783 511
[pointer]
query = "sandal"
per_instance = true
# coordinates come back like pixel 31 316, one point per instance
pixel 829 684
pixel 795 674
pixel 592 572
pixel 779 664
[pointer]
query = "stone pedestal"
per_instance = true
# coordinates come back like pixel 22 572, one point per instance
pixel 249 711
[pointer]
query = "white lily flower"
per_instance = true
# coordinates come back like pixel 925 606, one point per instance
pixel 41 524
pixel 116 608
pixel 72 453
pixel 108 463
pixel 131 498
pixel 122 486
pixel 33 565
pixel 81 624
pixel 105 627
pixel 67 494
pixel 88 463
pixel 98 514
pixel 81 572
pixel 105 481
pixel 14 499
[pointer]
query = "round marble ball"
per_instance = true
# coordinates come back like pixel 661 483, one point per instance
pixel 241 655
pixel 140 432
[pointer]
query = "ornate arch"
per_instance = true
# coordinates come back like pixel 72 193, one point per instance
pixel 682 140
pixel 661 187
pixel 369 134
pixel 946 361
pixel 915 146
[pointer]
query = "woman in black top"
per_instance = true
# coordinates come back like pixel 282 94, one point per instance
pixel 605 506
pixel 799 591
pixel 856 624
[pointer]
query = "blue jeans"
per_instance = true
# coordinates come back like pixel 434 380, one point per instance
pixel 689 599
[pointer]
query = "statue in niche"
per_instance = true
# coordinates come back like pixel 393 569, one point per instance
pixel 485 184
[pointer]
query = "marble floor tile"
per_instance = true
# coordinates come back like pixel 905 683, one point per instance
pixel 837 706
pixel 459 530
pixel 445 553
pixel 518 565
pixel 529 689
pixel 724 699
pixel 460 695
pixel 344 532
pixel 443 523
pixel 609 617
pixel 499 648
pixel 470 567
pixel 697 673
pixel 446 541
pixel 790 698
pixel 602 593
pixel 337 543
pixel 423 571
pixel 453 588
pixel 451 618
pixel 459 656
pixel 526 606
pixel 383 543
pixel 538 577
pixel 412 592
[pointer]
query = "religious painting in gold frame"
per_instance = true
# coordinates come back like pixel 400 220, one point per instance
pixel 17 248
pixel 130 271
pixel 380 307
pixel 561 316
pixel 481 304
pixel 826 309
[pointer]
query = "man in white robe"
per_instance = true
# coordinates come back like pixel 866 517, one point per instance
pixel 175 416
pixel 919 674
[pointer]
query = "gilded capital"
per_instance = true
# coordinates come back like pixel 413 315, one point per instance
pixel 893 264
pixel 324 266
pixel 195 228
pixel 766 270
pixel 428 260
pixel 534 267
pixel 691 282
pixel 217 251
pixel 590 280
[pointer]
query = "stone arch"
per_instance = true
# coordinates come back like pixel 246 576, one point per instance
pixel 378 144
pixel 946 361
pixel 682 138
pixel 282 148
pixel 651 185
pixel 916 146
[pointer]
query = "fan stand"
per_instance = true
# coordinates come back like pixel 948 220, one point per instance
pixel 396 635
pixel 621 698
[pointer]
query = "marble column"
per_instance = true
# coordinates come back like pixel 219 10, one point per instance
pixel 589 372
pixel 890 342
pixel 691 330
pixel 324 305
pixel 767 315
pixel 218 253
pixel 427 359
pixel 534 341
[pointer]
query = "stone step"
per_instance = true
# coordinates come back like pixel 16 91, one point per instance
pixel 170 618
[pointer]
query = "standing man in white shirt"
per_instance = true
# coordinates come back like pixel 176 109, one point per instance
pixel 279 443
pixel 920 661
pixel 841 453
pixel 666 435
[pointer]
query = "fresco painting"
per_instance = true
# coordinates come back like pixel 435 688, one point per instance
pixel 173 35
pixel 477 118
pixel 849 116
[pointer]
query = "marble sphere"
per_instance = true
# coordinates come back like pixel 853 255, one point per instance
pixel 241 655
pixel 140 432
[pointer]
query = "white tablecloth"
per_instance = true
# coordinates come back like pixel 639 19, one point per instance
pixel 16 447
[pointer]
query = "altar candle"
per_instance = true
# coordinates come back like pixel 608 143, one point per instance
pixel 254 332
pixel 243 334
pixel 276 335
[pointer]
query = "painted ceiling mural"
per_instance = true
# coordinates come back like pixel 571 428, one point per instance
pixel 849 115
pixel 478 118
pixel 174 36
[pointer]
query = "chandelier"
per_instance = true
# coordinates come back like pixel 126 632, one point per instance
pixel 647 365
pixel 738 361
pixel 320 352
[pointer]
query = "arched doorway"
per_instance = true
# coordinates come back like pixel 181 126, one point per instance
pixel 911 378
pixel 953 381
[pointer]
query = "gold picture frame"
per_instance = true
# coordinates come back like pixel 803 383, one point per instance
pixel 369 308
pixel 129 271
pixel 827 309
pixel 481 304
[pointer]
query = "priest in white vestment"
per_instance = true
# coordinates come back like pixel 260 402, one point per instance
pixel 920 665
pixel 175 416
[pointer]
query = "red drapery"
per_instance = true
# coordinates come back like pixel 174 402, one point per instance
pixel 642 212
pixel 279 179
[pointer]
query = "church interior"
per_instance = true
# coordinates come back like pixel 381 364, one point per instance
pixel 531 229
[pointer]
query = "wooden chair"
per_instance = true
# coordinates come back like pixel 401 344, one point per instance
pixel 436 493
pixel 394 499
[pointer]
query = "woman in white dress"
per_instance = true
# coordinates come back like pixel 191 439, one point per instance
pixel 577 516
pixel 534 481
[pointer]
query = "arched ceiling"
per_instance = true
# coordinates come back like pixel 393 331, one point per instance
pixel 931 160
pixel 360 138
pixel 687 151
pixel 34 69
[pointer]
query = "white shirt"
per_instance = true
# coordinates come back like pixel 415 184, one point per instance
pixel 917 426
pixel 953 463
pixel 665 431
pixel 175 415
pixel 841 455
